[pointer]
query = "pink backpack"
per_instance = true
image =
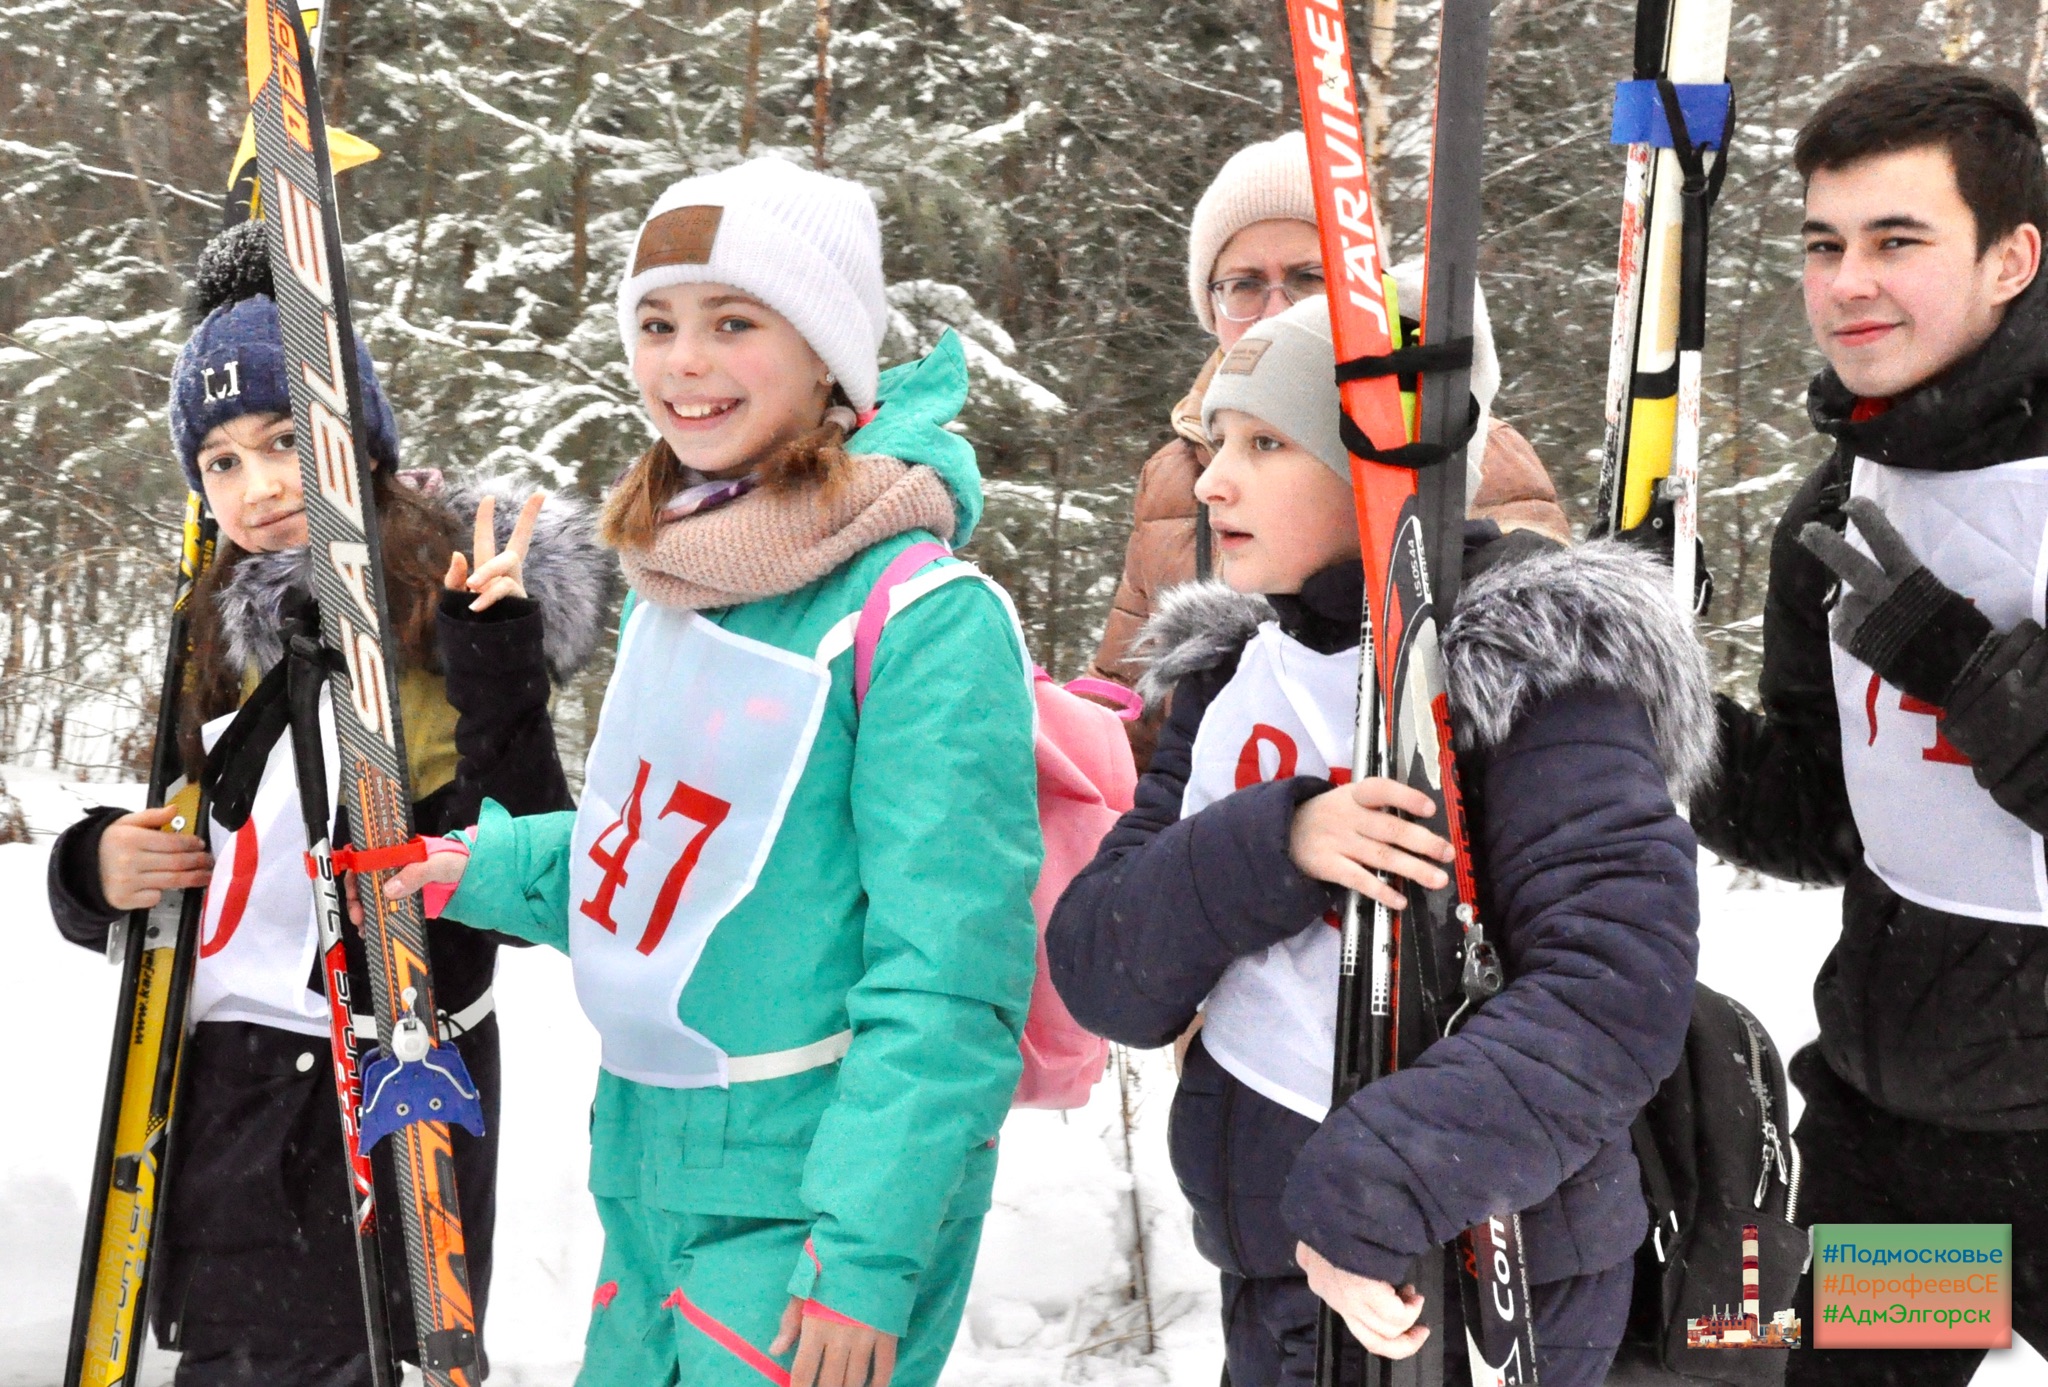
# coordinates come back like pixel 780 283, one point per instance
pixel 1085 780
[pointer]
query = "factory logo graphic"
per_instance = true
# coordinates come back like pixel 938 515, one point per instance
pixel 1748 1329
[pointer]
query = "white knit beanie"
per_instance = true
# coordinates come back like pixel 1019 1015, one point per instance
pixel 1259 183
pixel 805 243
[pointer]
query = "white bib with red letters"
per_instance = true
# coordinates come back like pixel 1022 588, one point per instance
pixel 1271 1020
pixel 259 935
pixel 702 740
pixel 1930 832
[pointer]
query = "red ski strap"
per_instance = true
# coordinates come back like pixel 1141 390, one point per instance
pixel 374 859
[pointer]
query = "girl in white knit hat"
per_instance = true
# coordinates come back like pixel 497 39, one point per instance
pixel 800 921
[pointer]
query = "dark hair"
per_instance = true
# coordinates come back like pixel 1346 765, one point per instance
pixel 1986 127
pixel 417 533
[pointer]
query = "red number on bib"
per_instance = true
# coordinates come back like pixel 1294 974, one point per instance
pixel 693 804
pixel 1943 749
pixel 240 881
pixel 1284 755
pixel 701 808
pixel 599 906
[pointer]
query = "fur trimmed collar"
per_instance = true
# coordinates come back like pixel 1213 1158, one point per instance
pixel 1599 615
pixel 568 572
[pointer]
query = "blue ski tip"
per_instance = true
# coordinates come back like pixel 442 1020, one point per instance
pixel 436 1088
pixel 1639 113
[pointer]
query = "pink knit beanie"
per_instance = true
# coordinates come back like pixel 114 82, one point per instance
pixel 1261 182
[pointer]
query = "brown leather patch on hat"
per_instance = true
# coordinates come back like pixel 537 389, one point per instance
pixel 1240 359
pixel 679 236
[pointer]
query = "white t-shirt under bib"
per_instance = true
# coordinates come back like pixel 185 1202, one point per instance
pixel 1929 831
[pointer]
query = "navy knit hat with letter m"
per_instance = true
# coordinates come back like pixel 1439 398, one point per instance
pixel 233 364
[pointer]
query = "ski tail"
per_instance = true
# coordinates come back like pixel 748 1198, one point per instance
pixel 1678 106
pixel 313 309
pixel 1410 501
pixel 157 949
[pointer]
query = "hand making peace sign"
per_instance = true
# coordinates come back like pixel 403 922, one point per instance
pixel 496 574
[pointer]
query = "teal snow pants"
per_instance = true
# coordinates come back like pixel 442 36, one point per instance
pixel 694 1300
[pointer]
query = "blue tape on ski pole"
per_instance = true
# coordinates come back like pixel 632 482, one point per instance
pixel 1639 113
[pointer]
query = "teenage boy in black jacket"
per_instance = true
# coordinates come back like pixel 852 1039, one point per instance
pixel 1900 745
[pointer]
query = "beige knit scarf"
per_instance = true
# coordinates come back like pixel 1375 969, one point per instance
pixel 772 541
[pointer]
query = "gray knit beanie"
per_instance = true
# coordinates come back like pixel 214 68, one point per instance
pixel 1283 373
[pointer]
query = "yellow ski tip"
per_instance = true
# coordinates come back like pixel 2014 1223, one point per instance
pixel 346 151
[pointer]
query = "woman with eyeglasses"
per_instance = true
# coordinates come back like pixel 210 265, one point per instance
pixel 1253 252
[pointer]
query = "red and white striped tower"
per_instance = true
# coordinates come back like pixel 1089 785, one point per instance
pixel 1752 1316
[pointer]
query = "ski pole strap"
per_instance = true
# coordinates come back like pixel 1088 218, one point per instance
pixel 1454 355
pixel 1640 116
pixel 1702 185
pixel 234 768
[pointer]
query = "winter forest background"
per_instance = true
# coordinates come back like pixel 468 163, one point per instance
pixel 1036 162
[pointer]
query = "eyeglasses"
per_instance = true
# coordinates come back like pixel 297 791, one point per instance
pixel 1243 299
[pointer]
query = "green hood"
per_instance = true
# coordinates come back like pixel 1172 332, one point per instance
pixel 914 402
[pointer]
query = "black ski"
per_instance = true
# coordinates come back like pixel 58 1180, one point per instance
pixel 412 1077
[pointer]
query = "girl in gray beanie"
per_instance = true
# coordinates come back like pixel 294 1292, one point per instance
pixel 1576 690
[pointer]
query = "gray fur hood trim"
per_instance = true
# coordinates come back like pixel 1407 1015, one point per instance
pixel 1600 615
pixel 568 572
pixel 1194 626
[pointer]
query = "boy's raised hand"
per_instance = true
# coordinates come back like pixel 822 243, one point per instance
pixel 496 575
pixel 139 861
pixel 1380 1316
pixel 1345 835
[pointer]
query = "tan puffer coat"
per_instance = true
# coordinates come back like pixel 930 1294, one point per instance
pixel 1514 490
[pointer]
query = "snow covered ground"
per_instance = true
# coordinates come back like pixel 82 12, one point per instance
pixel 1052 1298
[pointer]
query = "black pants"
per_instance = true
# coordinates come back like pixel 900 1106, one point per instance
pixel 240 1368
pixel 1269 1328
pixel 1865 1165
pixel 259 1250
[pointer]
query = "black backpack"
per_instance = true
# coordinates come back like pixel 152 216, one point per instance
pixel 1715 1146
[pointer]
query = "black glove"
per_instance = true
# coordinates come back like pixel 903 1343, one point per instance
pixel 1893 614
pixel 1997 715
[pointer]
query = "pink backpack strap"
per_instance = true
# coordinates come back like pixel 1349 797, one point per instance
pixel 874 613
pixel 1129 706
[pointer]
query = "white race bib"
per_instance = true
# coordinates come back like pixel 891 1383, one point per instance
pixel 1272 1019
pixel 259 935
pixel 702 740
pixel 1984 534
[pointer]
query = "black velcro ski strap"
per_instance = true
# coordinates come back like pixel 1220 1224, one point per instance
pixel 1414 456
pixel 1454 355
pixel 234 768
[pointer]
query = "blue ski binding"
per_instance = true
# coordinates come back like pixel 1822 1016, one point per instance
pixel 415 1081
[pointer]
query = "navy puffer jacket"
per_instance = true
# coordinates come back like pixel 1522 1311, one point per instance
pixel 1581 701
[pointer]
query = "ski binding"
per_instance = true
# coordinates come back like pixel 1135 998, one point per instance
pixel 416 1081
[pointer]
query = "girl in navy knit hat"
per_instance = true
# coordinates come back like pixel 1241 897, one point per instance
pixel 256 1269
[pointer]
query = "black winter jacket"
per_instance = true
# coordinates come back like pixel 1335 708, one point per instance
pixel 1931 1015
pixel 256 1251
pixel 1576 693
